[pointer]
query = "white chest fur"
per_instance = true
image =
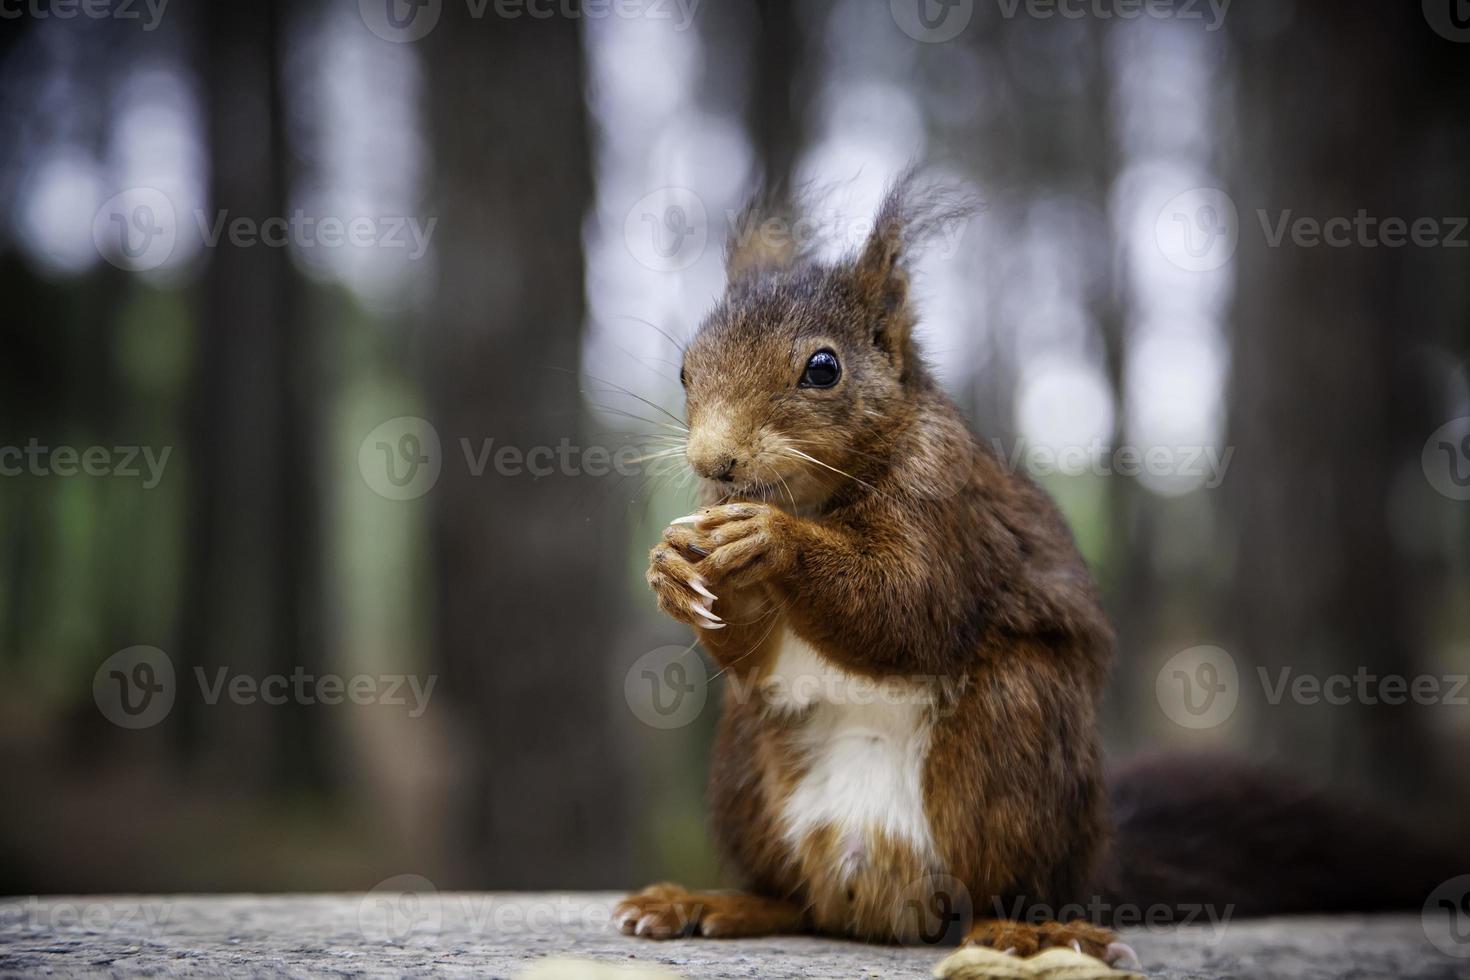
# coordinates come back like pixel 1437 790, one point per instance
pixel 863 744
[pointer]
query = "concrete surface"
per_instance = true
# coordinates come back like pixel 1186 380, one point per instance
pixel 394 931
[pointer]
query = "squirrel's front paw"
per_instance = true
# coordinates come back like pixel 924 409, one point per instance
pixel 733 544
pixel 681 591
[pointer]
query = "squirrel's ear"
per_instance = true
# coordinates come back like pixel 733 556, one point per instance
pixel 912 212
pixel 881 271
pixel 763 237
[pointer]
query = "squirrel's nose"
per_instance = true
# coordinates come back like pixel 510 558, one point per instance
pixel 713 450
pixel 715 466
pixel 718 469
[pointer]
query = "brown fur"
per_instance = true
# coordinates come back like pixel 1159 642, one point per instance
pixel 922 559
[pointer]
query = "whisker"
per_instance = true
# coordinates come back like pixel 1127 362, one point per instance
pixel 640 362
pixel 633 394
pixel 847 449
pixel 772 471
pixel 649 323
pixel 812 459
pixel 649 402
pixel 661 454
pixel 633 415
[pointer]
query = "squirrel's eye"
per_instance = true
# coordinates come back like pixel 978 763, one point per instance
pixel 683 377
pixel 822 370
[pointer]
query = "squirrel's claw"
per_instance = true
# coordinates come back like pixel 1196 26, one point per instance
pixel 681 591
pixel 697 584
pixel 703 609
pixel 1122 956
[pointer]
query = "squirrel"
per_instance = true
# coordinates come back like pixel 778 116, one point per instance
pixel 914 647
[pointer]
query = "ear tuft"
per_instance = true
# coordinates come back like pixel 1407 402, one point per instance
pixel 771 232
pixel 914 211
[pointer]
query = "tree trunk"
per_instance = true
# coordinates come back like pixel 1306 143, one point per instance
pixel 1325 405
pixel 253 584
pixel 519 615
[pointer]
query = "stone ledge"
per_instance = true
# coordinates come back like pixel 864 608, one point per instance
pixel 382 934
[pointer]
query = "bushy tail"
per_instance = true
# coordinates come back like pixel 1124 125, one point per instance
pixel 1209 831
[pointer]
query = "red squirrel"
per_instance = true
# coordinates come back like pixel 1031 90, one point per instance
pixel 857 538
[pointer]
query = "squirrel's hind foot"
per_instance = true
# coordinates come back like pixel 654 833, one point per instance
pixel 668 911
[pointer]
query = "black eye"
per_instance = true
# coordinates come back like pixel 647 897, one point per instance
pixel 822 371
pixel 683 378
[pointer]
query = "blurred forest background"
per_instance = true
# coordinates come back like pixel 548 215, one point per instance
pixel 534 144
